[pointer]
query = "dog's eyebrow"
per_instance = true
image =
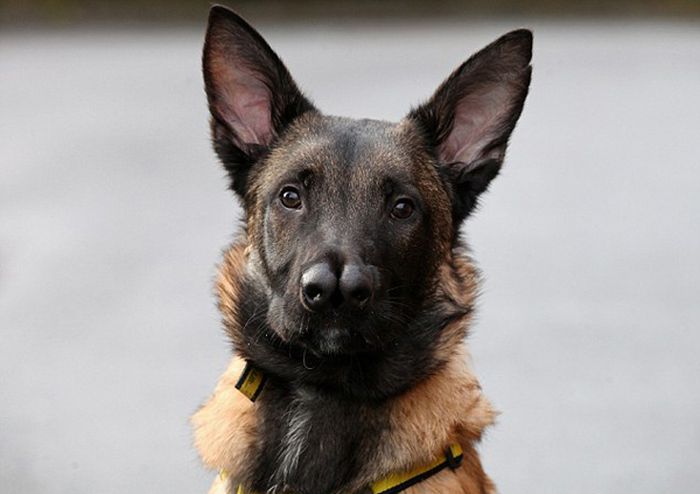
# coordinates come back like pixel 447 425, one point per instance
pixel 305 176
pixel 388 187
pixel 302 172
pixel 404 183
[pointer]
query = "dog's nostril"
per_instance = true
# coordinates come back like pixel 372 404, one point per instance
pixel 318 283
pixel 313 292
pixel 361 294
pixel 356 285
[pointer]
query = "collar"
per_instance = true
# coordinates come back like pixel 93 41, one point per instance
pixel 252 382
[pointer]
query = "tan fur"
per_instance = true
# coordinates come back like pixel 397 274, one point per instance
pixel 225 426
pixel 231 271
pixel 448 407
pixel 469 479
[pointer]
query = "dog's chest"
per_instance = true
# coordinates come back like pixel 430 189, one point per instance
pixel 310 443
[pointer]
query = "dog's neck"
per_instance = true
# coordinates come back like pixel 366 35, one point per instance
pixel 302 438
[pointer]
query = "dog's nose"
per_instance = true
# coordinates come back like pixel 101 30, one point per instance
pixel 321 288
pixel 318 284
pixel 356 286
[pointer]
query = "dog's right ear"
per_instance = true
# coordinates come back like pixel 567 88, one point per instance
pixel 252 97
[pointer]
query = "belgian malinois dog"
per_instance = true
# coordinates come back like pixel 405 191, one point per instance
pixel 349 293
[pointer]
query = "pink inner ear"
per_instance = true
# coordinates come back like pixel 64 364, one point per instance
pixel 243 102
pixel 477 119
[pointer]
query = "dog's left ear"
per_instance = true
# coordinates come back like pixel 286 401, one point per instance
pixel 470 117
pixel 252 97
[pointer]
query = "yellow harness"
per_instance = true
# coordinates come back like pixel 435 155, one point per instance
pixel 251 384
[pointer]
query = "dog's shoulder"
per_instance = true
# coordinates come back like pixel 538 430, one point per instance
pixel 446 408
pixel 226 426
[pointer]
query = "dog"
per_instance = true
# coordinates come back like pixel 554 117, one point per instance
pixel 349 293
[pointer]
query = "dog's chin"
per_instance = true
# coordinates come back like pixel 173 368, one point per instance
pixel 324 339
pixel 333 342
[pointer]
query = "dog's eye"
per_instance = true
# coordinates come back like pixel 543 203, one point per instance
pixel 403 208
pixel 290 198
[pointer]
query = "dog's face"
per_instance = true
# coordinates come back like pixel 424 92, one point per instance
pixel 348 216
pixel 349 221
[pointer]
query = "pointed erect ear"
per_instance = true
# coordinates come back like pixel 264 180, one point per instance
pixel 470 117
pixel 252 97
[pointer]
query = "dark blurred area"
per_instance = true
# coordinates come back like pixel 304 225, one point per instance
pixel 20 13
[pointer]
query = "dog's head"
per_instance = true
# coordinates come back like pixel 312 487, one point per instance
pixel 351 223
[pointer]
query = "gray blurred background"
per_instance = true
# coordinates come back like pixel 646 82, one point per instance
pixel 113 213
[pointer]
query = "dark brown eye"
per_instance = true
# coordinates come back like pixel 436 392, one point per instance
pixel 290 198
pixel 403 208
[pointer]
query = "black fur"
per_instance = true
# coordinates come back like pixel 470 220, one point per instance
pixel 341 435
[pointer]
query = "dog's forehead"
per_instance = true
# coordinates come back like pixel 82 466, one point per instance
pixel 350 150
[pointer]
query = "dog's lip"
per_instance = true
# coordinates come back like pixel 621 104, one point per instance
pixel 290 347
pixel 306 353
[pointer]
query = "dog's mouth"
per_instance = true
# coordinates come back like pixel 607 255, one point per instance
pixel 335 347
pixel 331 336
